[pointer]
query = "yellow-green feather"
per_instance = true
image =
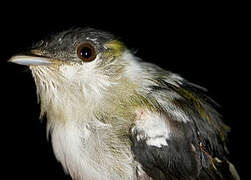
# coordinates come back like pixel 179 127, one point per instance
pixel 115 49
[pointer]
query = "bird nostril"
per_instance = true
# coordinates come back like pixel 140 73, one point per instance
pixel 36 52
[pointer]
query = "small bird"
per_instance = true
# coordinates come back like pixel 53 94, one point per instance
pixel 112 116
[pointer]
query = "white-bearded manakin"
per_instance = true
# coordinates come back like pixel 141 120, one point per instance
pixel 112 116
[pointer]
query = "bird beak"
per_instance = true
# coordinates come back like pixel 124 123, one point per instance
pixel 34 57
pixel 31 60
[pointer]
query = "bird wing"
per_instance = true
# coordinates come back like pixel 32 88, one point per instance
pixel 162 154
pixel 184 139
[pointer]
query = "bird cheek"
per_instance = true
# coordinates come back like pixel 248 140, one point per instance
pixel 67 71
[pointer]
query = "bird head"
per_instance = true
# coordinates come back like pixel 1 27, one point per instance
pixel 74 65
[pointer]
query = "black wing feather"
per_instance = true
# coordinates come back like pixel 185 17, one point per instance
pixel 196 149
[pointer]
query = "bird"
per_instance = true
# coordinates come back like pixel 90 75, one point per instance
pixel 112 116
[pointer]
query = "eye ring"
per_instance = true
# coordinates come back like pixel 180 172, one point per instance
pixel 86 52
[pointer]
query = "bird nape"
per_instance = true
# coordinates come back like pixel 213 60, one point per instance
pixel 112 116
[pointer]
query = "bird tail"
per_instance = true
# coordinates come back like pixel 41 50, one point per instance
pixel 223 170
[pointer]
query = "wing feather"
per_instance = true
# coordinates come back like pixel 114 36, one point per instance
pixel 185 139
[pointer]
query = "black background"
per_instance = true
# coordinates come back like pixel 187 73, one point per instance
pixel 206 44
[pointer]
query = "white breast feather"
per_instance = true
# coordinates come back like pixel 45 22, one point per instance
pixel 78 139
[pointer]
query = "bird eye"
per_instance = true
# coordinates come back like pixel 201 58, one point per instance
pixel 86 52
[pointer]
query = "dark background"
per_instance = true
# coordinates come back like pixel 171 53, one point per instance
pixel 206 44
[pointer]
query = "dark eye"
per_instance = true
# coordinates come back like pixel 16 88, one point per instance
pixel 86 52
